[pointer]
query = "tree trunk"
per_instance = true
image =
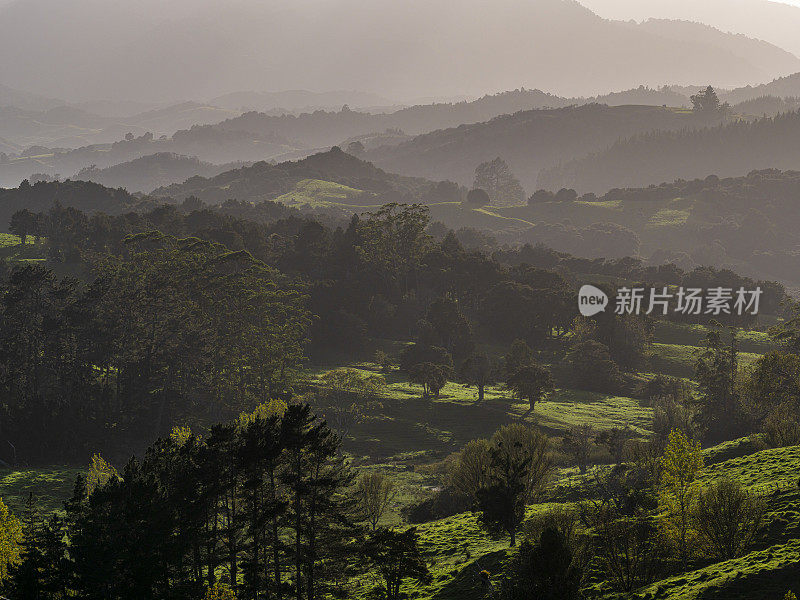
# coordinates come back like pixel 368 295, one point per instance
pixel 276 557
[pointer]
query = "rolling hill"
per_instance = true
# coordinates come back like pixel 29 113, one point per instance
pixel 66 126
pixel 782 87
pixel 528 141
pixel 747 223
pixel 335 175
pixel 148 172
pixel 202 142
pixel 298 100
pixel 725 151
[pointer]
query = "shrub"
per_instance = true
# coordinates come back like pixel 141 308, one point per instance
pixel 477 198
pixel 430 376
pixel 470 471
pixel 670 415
pixel 781 427
pixel 565 521
pixel 592 369
pixel 444 503
pixel 627 548
pixel 727 518
pixel 662 386
pixel 578 441
pixel 616 440
pixel 373 494
pixel 548 570
pixel 10 540
pixel 383 360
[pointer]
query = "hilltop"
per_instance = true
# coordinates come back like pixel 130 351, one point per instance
pixel 342 175
pixel 155 170
pixel 528 141
pixel 201 142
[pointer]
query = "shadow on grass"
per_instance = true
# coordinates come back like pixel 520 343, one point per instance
pixel 467 584
pixel 416 424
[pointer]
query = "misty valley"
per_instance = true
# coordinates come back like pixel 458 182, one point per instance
pixel 399 300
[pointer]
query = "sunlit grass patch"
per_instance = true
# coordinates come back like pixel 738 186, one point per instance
pixel 319 193
pixel 9 239
pixel 759 575
pixel 567 408
pixel 668 217
pixel 50 486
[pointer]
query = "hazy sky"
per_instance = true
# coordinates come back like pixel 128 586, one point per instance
pixel 151 50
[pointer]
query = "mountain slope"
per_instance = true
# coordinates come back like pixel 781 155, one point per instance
pixel 66 126
pixel 762 55
pixel 151 51
pixel 148 172
pixel 528 141
pixel 263 181
pixel 298 100
pixel 775 22
pixel 725 151
pixel 782 87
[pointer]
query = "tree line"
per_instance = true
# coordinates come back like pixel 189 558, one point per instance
pixel 263 507
pixel 171 329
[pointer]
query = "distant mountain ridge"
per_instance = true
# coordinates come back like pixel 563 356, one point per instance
pixel 69 126
pixel 528 141
pixel 154 52
pixel 773 21
pixel 148 172
pixel 782 87
pixel 299 100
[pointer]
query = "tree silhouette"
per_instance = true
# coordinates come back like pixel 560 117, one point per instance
pixel 496 178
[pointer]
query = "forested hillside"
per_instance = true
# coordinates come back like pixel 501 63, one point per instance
pixel 743 223
pixel 367 184
pixel 148 172
pixel 203 143
pixel 419 368
pixel 528 141
pixel 725 150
